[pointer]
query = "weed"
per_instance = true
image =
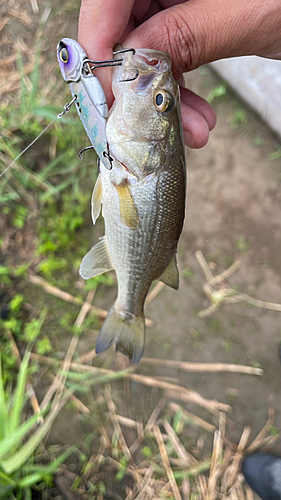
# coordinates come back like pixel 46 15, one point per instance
pixel 103 279
pixel 238 118
pixel 217 92
pixel 276 155
pixel 147 452
pixel 19 473
pixel 215 326
pixel 32 329
pixel 122 469
pixel 242 244
pixel 274 431
pixel 187 273
pixel 258 141
pixel 227 346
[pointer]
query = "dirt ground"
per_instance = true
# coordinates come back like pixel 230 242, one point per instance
pixel 233 211
pixel 234 196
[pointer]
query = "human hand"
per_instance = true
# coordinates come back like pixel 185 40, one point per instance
pixel 194 33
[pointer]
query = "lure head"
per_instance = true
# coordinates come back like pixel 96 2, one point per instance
pixel 70 57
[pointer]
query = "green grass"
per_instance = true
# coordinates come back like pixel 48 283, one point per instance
pixel 217 93
pixel 238 118
pixel 242 244
pixel 19 440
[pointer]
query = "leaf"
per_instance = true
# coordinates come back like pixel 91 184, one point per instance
pixel 18 459
pixel 19 394
pixel 3 406
pixel 53 466
pixel 17 435
pixel 34 478
pixel 4 492
pixel 6 480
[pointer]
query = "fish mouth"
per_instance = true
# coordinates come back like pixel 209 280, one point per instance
pixel 144 64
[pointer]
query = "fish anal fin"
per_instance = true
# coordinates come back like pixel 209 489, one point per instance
pixel 171 274
pixel 96 261
pixel 128 211
pixel 96 199
pixel 128 334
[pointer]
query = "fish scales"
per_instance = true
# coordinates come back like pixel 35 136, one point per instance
pixel 135 254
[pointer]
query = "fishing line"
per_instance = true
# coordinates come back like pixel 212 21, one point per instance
pixel 65 110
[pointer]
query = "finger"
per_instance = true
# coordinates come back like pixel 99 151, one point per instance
pixel 195 127
pixel 200 31
pixel 101 26
pixel 200 105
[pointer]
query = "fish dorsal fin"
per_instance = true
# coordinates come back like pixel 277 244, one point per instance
pixel 171 274
pixel 128 211
pixel 96 261
pixel 96 199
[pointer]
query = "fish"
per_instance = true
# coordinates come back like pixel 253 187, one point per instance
pixel 142 197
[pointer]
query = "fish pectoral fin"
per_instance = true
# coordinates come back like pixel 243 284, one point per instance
pixel 171 274
pixel 96 261
pixel 96 199
pixel 128 334
pixel 128 211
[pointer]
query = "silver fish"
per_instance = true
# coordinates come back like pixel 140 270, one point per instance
pixel 142 196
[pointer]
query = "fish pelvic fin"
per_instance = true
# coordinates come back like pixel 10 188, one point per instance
pixel 96 261
pixel 127 333
pixel 96 200
pixel 171 274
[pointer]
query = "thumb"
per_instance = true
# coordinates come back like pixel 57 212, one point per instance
pixel 200 31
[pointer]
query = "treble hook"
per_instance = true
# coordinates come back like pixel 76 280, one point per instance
pixel 101 64
pixel 80 153
pixel 122 51
pixel 131 79
pixel 105 154
pixel 109 63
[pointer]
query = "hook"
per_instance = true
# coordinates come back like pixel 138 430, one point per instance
pixel 122 51
pixel 101 64
pixel 67 107
pixel 80 153
pixel 131 79
pixel 107 63
pixel 106 155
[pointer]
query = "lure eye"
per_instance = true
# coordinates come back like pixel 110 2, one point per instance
pixel 163 100
pixel 64 55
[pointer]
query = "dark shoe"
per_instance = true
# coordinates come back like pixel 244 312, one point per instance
pixel 262 472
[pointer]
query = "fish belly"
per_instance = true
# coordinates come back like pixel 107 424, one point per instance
pixel 140 255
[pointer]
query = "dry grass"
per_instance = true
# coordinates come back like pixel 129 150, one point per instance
pixel 171 471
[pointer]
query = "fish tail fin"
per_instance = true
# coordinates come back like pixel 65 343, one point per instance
pixel 129 335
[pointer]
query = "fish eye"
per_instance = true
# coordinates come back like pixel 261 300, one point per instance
pixel 163 100
pixel 64 56
pixel 159 99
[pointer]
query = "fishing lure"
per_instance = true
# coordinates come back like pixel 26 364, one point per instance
pixel 87 93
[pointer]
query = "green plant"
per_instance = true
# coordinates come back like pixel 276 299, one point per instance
pixel 187 273
pixel 217 92
pixel 238 118
pixel 276 155
pixel 19 472
pixel 242 244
